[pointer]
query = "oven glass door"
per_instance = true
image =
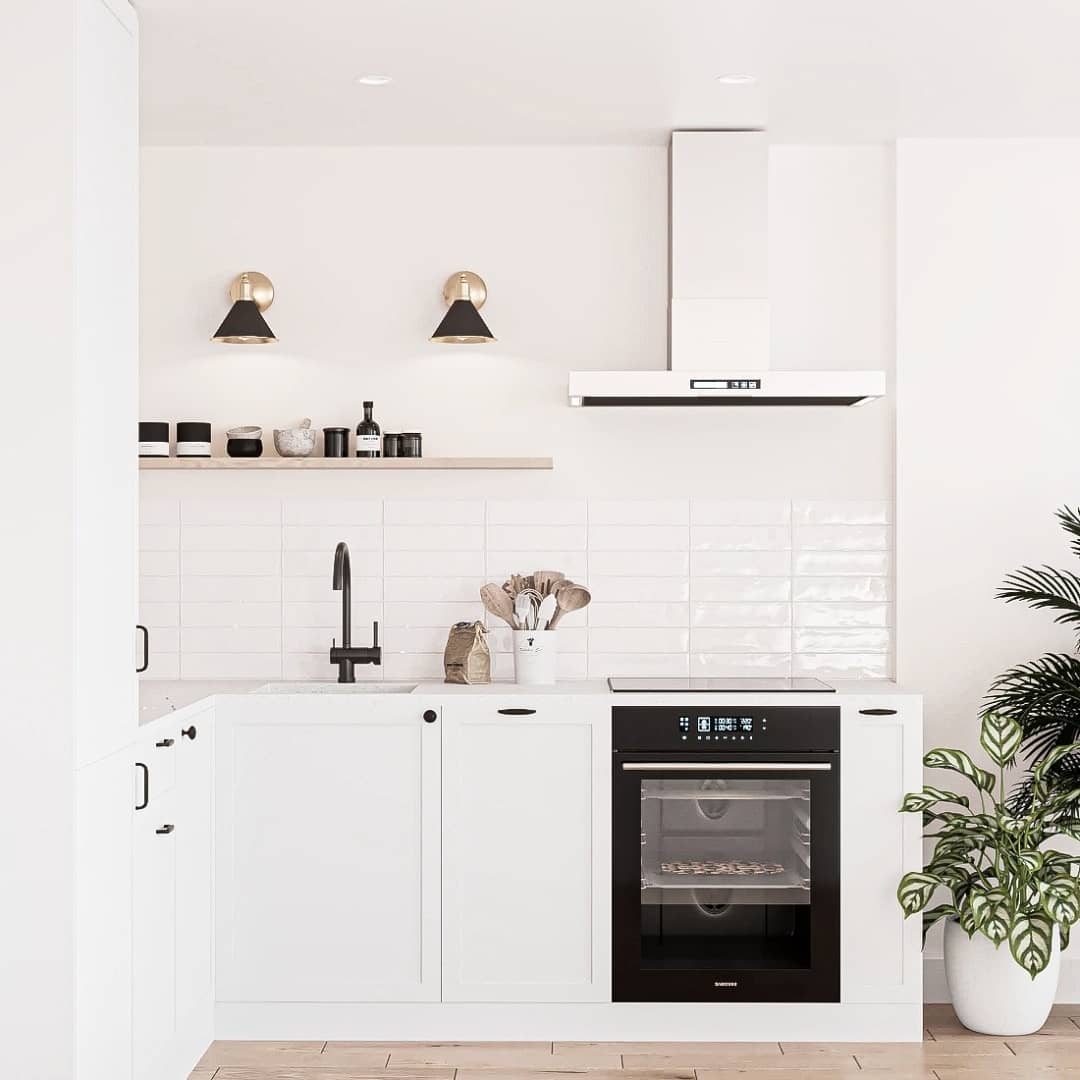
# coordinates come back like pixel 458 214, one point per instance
pixel 727 878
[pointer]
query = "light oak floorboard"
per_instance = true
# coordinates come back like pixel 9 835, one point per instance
pixel 730 1056
pixel 202 1074
pixel 1056 1027
pixel 267 1052
pixel 839 1073
pixel 304 1073
pixel 464 1058
pixel 576 1074
pixel 582 1050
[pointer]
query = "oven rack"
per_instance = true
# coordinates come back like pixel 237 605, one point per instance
pixel 769 791
pixel 789 878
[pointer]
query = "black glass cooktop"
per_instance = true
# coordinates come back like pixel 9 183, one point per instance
pixel 719 686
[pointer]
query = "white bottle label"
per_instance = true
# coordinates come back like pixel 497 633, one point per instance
pixel 368 443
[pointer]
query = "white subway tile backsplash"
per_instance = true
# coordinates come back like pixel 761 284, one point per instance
pixel 738 563
pixel 536 538
pixel 434 512
pixel 602 614
pixel 433 563
pixel 231 538
pixel 242 588
pixel 308 512
pixel 230 512
pixel 639 512
pixel 839 563
pixel 537 512
pixel 433 537
pixel 842 538
pixel 740 512
pixel 852 588
pixel 325 538
pixel 841 512
pixel 163 665
pixel 638 537
pixel 740 590
pixel 712 639
pixel 201 589
pixel 740 538
pixel 775 614
pixel 842 615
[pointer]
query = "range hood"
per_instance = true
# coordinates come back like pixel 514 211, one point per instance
pixel 718 314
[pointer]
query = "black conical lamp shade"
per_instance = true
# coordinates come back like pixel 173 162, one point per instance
pixel 244 325
pixel 462 325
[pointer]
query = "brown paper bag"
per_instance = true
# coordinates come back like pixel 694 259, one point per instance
pixel 467 658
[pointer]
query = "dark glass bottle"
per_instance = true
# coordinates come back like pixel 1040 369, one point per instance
pixel 368 435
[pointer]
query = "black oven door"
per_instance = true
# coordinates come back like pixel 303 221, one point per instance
pixel 726 877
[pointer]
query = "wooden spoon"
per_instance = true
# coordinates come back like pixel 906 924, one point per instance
pixel 569 597
pixel 499 603
pixel 547 580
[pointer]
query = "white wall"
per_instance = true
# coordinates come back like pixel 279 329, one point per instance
pixel 573 245
pixel 987 385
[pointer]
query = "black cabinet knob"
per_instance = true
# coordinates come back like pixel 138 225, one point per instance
pixel 189 732
pixel 165 830
pixel 430 716
pixel 165 742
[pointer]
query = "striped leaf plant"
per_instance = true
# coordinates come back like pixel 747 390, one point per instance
pixel 992 865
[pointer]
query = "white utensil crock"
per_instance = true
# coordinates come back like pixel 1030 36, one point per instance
pixel 536 656
pixel 991 993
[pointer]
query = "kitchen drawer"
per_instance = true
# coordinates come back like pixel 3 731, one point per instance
pixel 553 708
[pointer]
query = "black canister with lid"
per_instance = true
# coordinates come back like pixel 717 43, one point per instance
pixel 411 444
pixel 192 438
pixel 391 445
pixel 335 441
pixel 153 438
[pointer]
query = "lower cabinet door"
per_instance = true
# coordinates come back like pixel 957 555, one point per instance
pixel 880 759
pixel 327 850
pixel 153 940
pixel 194 893
pixel 526 851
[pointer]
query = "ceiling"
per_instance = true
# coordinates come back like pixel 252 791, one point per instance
pixel 282 72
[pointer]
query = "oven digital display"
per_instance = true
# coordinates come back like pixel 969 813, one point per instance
pixel 710 724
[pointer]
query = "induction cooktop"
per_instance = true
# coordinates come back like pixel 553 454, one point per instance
pixel 719 686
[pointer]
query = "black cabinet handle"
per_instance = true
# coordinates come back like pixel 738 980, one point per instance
pixel 165 830
pixel 145 649
pixel 189 733
pixel 877 712
pixel 146 786
pixel 517 712
pixel 165 742
pixel 430 716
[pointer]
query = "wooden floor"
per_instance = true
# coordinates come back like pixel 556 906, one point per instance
pixel 949 1052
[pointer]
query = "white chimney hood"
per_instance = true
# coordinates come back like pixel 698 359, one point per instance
pixel 719 309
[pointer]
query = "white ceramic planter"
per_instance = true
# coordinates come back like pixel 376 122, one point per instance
pixel 536 657
pixel 991 993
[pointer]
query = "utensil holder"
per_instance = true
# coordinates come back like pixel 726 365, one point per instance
pixel 536 656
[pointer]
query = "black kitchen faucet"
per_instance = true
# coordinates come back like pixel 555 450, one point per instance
pixel 344 655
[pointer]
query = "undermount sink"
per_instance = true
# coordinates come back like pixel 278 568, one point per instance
pixel 336 688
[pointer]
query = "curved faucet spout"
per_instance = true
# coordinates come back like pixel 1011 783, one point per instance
pixel 342 567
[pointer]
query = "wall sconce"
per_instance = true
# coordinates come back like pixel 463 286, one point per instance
pixel 465 292
pixel 251 293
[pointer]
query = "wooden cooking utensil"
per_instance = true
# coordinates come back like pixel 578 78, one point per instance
pixel 546 580
pixel 498 603
pixel 569 597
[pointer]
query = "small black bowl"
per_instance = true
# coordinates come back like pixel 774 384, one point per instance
pixel 244 447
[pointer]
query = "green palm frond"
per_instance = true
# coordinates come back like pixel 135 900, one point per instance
pixel 1070 522
pixel 1038 692
pixel 1058 590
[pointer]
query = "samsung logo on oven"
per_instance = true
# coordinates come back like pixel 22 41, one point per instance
pixel 725 985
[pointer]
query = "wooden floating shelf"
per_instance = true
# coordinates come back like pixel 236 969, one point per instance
pixel 347 463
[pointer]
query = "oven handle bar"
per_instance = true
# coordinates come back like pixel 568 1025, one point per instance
pixel 727 766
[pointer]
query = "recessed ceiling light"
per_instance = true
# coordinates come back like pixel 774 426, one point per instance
pixel 373 80
pixel 736 78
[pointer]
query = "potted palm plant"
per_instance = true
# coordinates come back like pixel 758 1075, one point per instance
pixel 1010 901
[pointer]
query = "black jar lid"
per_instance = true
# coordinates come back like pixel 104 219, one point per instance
pixel 153 431
pixel 192 431
pixel 336 430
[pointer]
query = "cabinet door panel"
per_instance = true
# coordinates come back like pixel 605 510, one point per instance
pixel 328 856
pixel 154 940
pixel 881 959
pixel 524 876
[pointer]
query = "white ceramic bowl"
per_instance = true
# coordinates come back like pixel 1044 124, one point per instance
pixel 295 442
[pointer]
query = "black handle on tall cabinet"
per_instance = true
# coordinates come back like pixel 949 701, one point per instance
pixel 146 786
pixel 145 649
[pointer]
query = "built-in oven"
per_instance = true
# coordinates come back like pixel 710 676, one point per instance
pixel 726 853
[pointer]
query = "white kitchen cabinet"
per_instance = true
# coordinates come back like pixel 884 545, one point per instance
pixel 154 938
pixel 328 849
pixel 881 759
pixel 526 849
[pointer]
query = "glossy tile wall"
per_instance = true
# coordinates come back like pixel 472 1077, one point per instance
pixel 241 588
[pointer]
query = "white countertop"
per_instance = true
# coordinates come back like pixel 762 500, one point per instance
pixel 158 699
